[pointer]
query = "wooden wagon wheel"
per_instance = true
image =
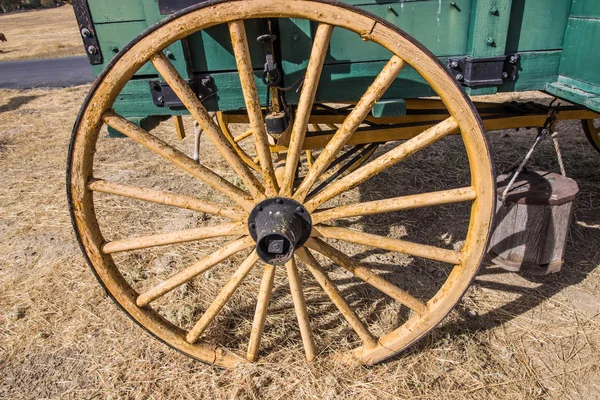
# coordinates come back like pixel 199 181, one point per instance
pixel 303 212
pixel 591 128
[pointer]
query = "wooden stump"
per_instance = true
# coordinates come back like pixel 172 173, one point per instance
pixel 532 225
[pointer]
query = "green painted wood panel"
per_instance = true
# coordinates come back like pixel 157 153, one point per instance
pixel 488 28
pixel 114 36
pixel 438 25
pixel 585 8
pixel 341 82
pixel 581 58
pixel 104 11
pixel 537 25
pixel 212 50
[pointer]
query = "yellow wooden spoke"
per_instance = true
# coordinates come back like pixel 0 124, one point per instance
pixel 165 198
pixel 173 155
pixel 396 204
pixel 253 107
pixel 386 243
pixel 224 295
pixel 195 107
pixel 351 123
pixel 301 310
pixel 305 104
pixel 336 297
pixel 384 162
pixel 194 270
pixel 262 306
pixel 162 239
pixel 367 275
pixel 243 155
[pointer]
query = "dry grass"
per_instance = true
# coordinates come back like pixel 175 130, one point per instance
pixel 40 34
pixel 60 337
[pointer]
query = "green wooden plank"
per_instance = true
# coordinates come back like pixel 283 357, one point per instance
pixel 575 95
pixel 104 11
pixel 585 8
pixel 581 58
pixel 114 36
pixel 537 25
pixel 536 69
pixel 488 29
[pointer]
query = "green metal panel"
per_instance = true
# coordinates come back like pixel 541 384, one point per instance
pixel 537 24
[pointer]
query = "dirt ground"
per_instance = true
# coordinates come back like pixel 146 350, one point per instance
pixel 46 33
pixel 512 336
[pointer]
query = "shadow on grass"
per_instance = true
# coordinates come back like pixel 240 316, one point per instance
pixel 16 102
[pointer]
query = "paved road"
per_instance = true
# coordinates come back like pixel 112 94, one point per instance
pixel 49 72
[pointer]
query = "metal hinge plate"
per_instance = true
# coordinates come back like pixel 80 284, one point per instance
pixel 487 71
pixel 87 32
pixel 163 95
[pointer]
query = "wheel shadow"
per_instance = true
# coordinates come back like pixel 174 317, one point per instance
pixel 16 102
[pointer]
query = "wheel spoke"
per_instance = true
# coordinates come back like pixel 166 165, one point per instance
pixel 305 104
pixel 262 306
pixel 386 243
pixel 224 295
pixel 194 270
pixel 301 310
pixel 163 239
pixel 367 275
pixel 336 297
pixel 257 123
pixel 165 198
pixel 243 136
pixel 243 155
pixel 392 157
pixel 195 107
pixel 351 123
pixel 396 204
pixel 173 155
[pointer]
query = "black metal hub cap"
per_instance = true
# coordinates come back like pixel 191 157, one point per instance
pixel 279 226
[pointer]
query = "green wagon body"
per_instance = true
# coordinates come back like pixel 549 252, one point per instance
pixel 554 41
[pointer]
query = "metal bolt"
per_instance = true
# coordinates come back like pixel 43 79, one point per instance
pixel 454 64
pixel 494 10
pixel 279 201
pixel 205 81
pixel 489 40
pixel 154 85
pixel 299 210
pixel 253 226
pixel 92 50
pixel 259 208
pixel 169 55
pixel 85 32
pixel 504 75
pixel 161 99
pixel 459 77
pixel 296 36
pixel 514 58
pixel 114 49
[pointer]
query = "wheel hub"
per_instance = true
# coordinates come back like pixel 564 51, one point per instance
pixel 279 225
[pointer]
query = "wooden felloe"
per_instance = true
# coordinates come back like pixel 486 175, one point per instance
pixel 533 223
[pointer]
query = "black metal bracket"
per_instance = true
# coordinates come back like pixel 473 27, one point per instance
pixel 87 32
pixel 487 71
pixel 163 96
